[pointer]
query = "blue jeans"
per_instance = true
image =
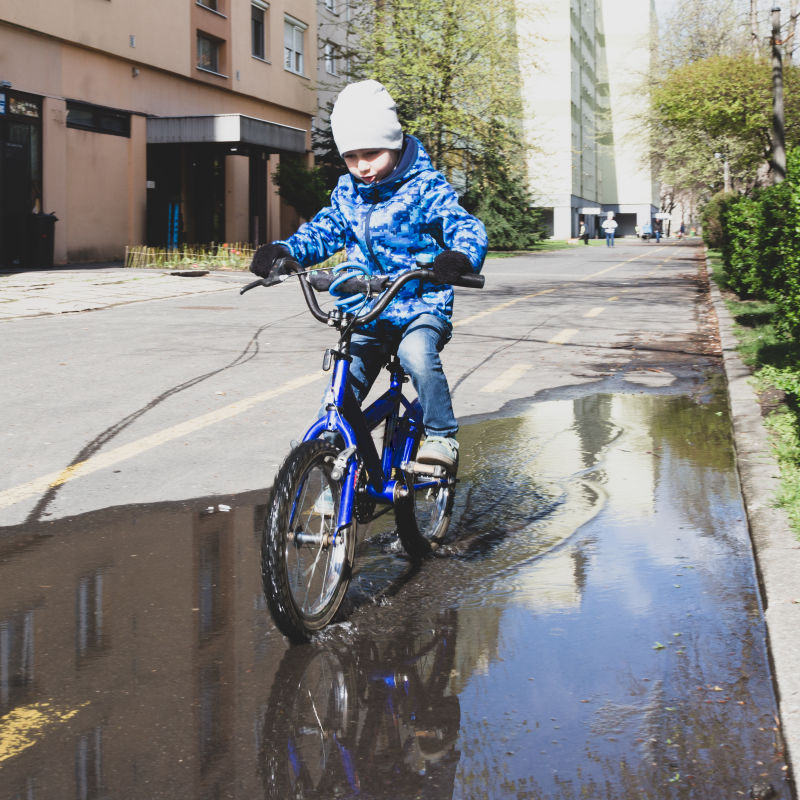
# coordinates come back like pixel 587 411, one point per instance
pixel 417 346
pixel 610 239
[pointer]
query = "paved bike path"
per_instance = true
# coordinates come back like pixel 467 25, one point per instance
pixel 70 290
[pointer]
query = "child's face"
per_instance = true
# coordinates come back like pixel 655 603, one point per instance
pixel 370 166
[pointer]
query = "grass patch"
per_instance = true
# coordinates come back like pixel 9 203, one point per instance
pixel 202 257
pixel 235 256
pixel 775 363
pixel 545 246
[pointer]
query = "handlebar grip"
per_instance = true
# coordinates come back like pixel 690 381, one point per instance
pixel 473 281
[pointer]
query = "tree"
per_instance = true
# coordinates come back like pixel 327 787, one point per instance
pixel 715 110
pixel 452 67
pixel 696 140
pixel 500 198
pixel 700 29
pixel 304 189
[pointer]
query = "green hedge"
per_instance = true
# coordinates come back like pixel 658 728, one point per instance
pixel 759 237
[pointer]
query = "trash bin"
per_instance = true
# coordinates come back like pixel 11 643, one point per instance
pixel 41 236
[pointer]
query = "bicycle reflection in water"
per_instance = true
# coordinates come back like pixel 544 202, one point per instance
pixel 365 718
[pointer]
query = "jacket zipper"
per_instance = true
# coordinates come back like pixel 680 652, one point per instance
pixel 368 235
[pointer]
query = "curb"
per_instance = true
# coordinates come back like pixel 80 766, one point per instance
pixel 776 551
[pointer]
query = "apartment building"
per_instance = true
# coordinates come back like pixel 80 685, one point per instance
pixel 335 38
pixel 583 99
pixel 150 122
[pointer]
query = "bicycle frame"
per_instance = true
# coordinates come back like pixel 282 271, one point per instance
pixel 308 552
pixel 345 416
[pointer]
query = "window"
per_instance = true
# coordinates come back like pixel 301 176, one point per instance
pixel 16 659
pixel 211 617
pixel 98 119
pixel 212 4
pixel 89 769
pixel 207 53
pixel 258 28
pixel 330 58
pixel 89 619
pixel 331 5
pixel 293 45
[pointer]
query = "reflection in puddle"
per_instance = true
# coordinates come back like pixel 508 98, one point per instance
pixel 361 717
pixel 591 630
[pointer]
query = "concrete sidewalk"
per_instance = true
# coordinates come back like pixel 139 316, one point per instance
pixel 777 551
pixel 61 290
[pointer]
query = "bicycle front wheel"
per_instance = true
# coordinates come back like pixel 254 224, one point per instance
pixel 306 564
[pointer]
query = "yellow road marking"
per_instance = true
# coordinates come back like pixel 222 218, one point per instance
pixel 614 266
pixel 502 306
pixel 22 727
pixel 593 312
pixel 505 379
pixel 38 486
pixel 563 337
pixel 612 299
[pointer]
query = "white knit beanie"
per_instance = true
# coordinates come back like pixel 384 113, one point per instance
pixel 364 117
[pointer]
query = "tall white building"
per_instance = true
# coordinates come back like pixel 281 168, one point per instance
pixel 583 97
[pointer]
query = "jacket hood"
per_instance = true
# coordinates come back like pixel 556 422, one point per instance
pixel 413 160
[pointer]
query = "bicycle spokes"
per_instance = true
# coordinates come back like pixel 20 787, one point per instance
pixel 314 557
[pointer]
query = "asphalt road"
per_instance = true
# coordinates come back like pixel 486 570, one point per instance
pixel 123 389
pixel 200 394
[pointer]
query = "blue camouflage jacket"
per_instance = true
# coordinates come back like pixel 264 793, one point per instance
pixel 387 225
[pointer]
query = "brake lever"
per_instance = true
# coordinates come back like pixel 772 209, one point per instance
pixel 265 282
pixel 259 282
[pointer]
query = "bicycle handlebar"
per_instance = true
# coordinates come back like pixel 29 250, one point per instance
pixel 377 283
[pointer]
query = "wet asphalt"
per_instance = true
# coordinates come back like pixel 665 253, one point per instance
pixel 667 758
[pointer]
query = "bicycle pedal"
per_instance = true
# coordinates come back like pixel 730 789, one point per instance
pixel 433 470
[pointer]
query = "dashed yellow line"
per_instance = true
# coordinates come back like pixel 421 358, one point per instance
pixel 594 312
pixel 563 336
pixel 507 378
pixel 619 264
pixel 502 306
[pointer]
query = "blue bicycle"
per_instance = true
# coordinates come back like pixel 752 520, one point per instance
pixel 335 478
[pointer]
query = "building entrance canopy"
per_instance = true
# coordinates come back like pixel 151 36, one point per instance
pixel 226 129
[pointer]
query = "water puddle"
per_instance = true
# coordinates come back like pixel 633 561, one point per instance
pixel 592 629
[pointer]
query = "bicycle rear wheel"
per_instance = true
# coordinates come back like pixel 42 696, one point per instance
pixel 423 516
pixel 306 564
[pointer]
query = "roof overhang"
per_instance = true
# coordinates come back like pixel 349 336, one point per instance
pixel 226 129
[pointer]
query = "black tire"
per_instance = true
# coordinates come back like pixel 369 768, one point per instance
pixel 305 580
pixel 311 717
pixel 423 517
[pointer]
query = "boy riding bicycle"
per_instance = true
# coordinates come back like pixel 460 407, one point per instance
pixel 391 210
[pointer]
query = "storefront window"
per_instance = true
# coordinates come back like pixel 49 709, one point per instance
pixel 98 119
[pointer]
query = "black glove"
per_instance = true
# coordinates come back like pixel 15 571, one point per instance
pixel 450 265
pixel 265 258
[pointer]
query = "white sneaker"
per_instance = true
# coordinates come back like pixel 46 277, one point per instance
pixel 440 450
